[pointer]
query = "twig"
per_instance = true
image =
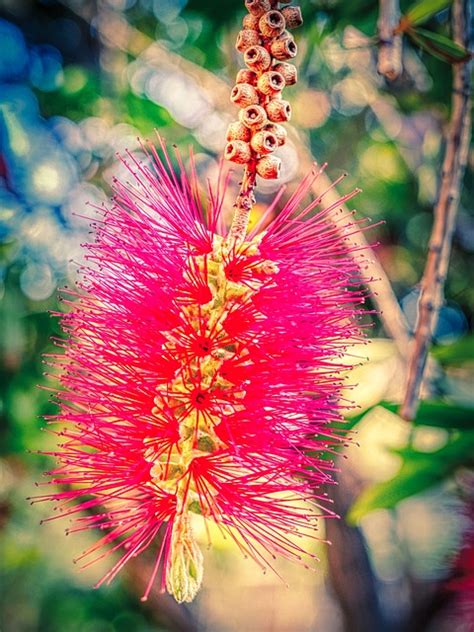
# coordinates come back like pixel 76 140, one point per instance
pixel 434 276
pixel 243 205
pixel 390 42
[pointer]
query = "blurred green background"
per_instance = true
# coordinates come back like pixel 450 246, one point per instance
pixel 80 81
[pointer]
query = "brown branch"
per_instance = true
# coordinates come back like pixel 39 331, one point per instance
pixel 243 205
pixel 434 276
pixel 390 42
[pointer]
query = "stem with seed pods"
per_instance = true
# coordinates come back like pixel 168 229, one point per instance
pixel 456 153
pixel 267 45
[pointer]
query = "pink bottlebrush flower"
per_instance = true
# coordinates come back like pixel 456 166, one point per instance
pixel 200 375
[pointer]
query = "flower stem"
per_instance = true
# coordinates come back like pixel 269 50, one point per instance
pixel 455 158
pixel 243 205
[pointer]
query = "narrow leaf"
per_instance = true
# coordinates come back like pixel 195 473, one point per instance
pixel 456 353
pixel 439 414
pixel 459 450
pixel 420 471
pixel 425 9
pixel 439 46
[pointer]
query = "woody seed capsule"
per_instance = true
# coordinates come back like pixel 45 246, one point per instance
pixel 238 151
pixel 271 24
pixel 246 39
pixel 270 82
pixel 292 17
pixel 247 76
pixel 268 167
pixel 251 22
pixel 264 142
pixel 257 58
pixel 278 111
pixel 244 94
pixel 257 7
pixel 288 71
pixel 253 116
pixel 238 131
pixel 277 130
pixel 284 47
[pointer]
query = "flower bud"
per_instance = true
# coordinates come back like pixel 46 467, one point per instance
pixel 185 566
pixel 264 142
pixel 289 72
pixel 293 17
pixel 253 116
pixel 244 94
pixel 257 58
pixel 246 39
pixel 257 7
pixel 278 110
pixel 251 22
pixel 284 47
pixel 271 24
pixel 277 130
pixel 268 167
pixel 238 131
pixel 238 151
pixel 247 76
pixel 270 82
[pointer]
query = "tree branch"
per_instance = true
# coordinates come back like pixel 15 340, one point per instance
pixel 434 277
pixel 390 43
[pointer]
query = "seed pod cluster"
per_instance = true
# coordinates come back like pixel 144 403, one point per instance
pixel 267 46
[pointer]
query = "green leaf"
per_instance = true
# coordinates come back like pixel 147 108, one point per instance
pixel 425 9
pixel 456 353
pixel 353 420
pixel 420 471
pixel 439 414
pixel 459 450
pixel 439 46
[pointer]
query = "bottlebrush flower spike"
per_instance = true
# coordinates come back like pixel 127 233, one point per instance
pixel 200 374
